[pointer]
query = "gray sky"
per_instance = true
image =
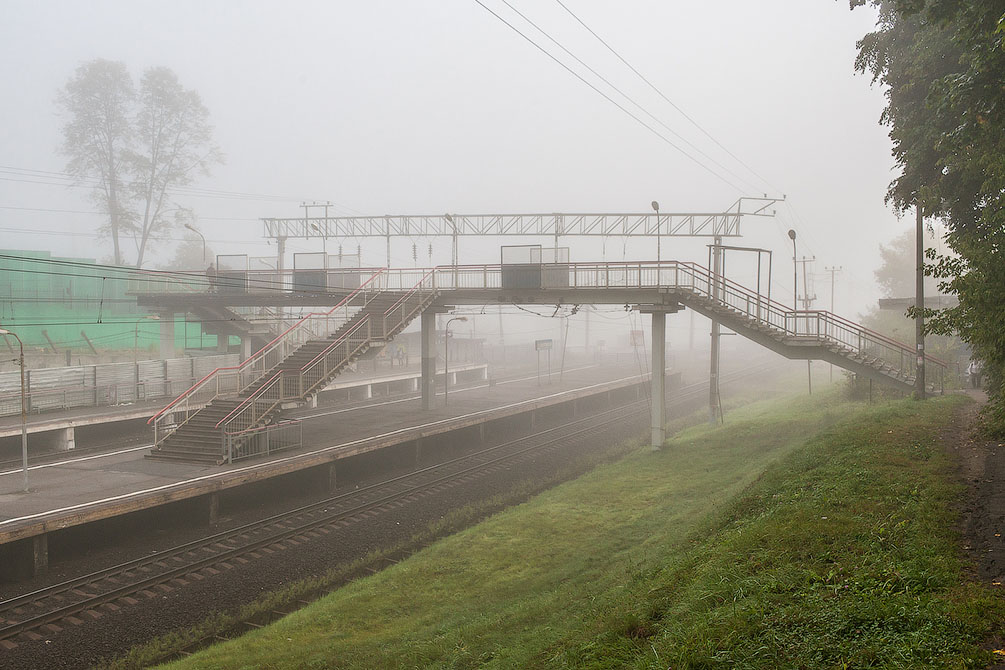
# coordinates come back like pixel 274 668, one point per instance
pixel 418 107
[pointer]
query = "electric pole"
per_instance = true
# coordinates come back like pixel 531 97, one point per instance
pixel 807 301
pixel 834 269
pixel 919 302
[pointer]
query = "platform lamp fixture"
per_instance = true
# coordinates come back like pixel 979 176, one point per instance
pixel 446 356
pixel 656 207
pixel 24 408
pixel 189 226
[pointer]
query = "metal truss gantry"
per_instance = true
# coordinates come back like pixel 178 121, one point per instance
pixel 663 224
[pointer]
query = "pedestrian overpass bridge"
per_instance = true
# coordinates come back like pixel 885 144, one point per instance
pixel 236 412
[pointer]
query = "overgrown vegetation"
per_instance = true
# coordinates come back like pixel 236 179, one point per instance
pixel 808 533
pixel 942 63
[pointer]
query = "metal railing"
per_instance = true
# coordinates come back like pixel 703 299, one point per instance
pixel 232 380
pixel 263 440
pixel 288 385
pixel 722 294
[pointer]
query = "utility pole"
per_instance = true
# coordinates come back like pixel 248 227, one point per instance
pixel 833 270
pixel 714 411
pixel 807 301
pixel 919 304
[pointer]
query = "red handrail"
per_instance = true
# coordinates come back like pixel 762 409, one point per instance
pixel 253 357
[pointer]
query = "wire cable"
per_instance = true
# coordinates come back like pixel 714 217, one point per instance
pixel 668 100
pixel 608 98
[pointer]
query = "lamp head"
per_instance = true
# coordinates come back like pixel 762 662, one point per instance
pixel 656 206
pixel 792 235
pixel 4 332
pixel 448 218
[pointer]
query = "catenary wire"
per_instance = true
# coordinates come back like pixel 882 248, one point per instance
pixel 609 98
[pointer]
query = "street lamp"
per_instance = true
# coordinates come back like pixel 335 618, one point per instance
pixel 324 241
pixel 24 409
pixel 656 206
pixel 202 238
pixel 453 245
pixel 795 274
pixel 446 355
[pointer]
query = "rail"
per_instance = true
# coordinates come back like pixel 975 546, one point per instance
pixel 231 380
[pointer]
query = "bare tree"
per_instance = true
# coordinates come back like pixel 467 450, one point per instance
pixel 174 144
pixel 135 149
pixel 98 100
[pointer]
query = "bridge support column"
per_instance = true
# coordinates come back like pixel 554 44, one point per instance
pixel 65 439
pixel 214 508
pixel 428 379
pixel 245 348
pixel 332 482
pixel 659 409
pixel 166 344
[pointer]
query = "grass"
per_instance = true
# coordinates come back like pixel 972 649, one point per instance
pixel 804 533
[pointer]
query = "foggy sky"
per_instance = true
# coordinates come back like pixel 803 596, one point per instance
pixel 425 107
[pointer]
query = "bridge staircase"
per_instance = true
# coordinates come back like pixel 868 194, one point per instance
pixel 805 334
pixel 228 414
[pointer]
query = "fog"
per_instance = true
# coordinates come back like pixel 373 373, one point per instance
pixel 431 107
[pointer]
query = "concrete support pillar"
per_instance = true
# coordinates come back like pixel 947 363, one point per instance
pixel 245 348
pixel 658 395
pixel 428 379
pixel 222 343
pixel 214 508
pixel 368 391
pixel 65 440
pixel 418 452
pixel 166 344
pixel 414 384
pixel 331 478
pixel 481 433
pixel 39 554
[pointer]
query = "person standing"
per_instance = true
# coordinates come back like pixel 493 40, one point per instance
pixel 211 277
pixel 974 372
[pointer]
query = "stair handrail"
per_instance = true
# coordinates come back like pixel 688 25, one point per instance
pixel 318 369
pixel 352 340
pixel 726 292
pixel 240 376
pixel 427 281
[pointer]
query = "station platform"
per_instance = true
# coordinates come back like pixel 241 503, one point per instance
pixel 60 426
pixel 79 490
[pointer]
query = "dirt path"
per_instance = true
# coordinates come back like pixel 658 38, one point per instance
pixel 982 469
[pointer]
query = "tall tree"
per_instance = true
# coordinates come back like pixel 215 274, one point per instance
pixel 943 63
pixel 98 100
pixel 174 144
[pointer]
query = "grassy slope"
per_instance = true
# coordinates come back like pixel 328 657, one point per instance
pixel 785 539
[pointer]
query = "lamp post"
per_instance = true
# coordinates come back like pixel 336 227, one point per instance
pixel 453 245
pixel 200 237
pixel 24 409
pixel 656 206
pixel 446 355
pixel 795 274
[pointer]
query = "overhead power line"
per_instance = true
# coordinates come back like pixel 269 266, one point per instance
pixel 662 95
pixel 628 97
pixel 608 98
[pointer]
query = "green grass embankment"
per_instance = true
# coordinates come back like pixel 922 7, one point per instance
pixel 804 533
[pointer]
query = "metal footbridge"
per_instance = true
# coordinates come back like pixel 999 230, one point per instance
pixel 236 412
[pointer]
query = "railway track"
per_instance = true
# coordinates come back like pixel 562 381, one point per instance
pixel 33 616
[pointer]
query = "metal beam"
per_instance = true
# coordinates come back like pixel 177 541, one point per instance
pixel 715 224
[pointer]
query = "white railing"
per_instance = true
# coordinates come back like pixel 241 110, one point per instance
pixel 232 380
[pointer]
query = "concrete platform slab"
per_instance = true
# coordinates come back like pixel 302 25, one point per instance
pixel 85 489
